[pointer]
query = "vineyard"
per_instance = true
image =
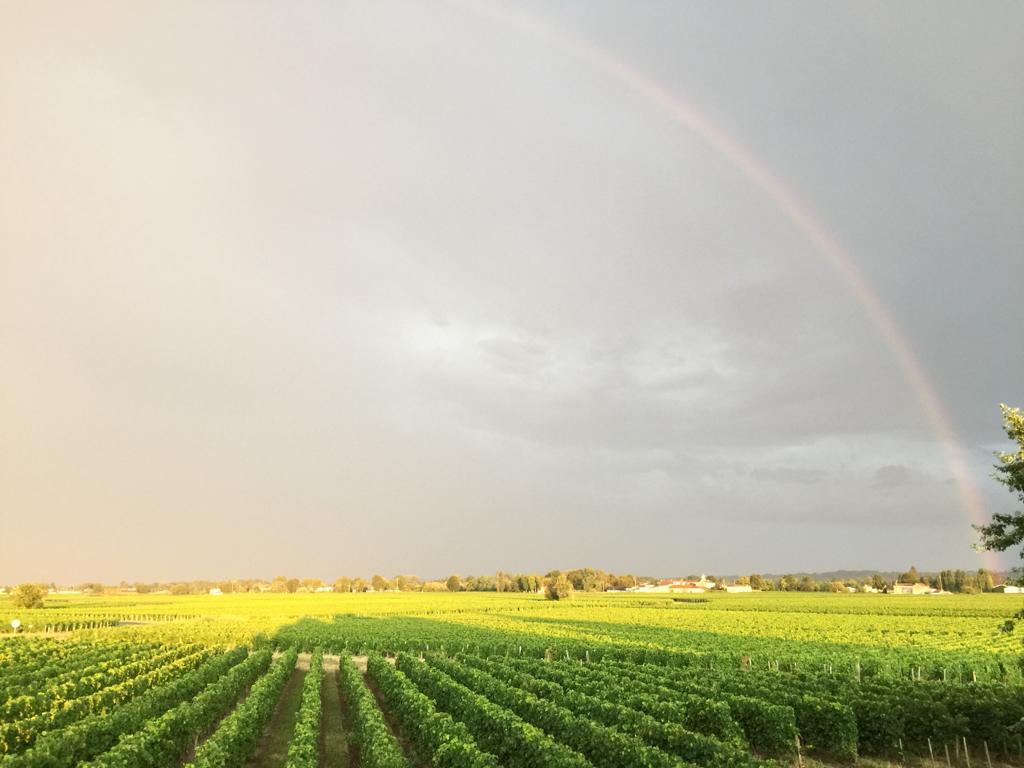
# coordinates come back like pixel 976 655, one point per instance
pixel 394 680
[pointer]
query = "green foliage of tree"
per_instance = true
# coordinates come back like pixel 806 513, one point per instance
pixel 624 581
pixel 559 588
pixel 910 577
pixel 480 584
pixel 807 584
pixel 28 596
pixel 588 579
pixel 528 582
pixel 759 582
pixel 1007 528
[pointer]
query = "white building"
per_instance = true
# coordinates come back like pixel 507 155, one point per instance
pixel 919 588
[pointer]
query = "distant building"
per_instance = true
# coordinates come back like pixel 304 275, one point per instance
pixel 662 586
pixel 918 588
pixel 677 586
pixel 1008 589
pixel 688 588
pixel 216 591
pixel 738 588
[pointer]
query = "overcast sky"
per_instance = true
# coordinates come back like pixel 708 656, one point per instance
pixel 327 288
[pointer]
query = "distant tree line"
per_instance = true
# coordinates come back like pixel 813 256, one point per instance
pixel 568 582
pixel 958 581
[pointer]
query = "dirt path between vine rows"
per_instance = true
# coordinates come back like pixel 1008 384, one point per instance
pixel 272 749
pixel 337 749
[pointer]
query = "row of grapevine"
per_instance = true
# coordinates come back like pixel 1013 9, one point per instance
pixel 515 742
pixel 21 734
pixel 64 690
pixel 33 664
pixel 693 712
pixel 605 747
pixel 767 727
pixel 62 625
pixel 236 737
pixel 162 740
pixel 919 710
pixel 914 712
pixel 94 735
pixel 497 634
pixel 438 738
pixel 695 748
pixel 827 726
pixel 378 747
pixel 302 750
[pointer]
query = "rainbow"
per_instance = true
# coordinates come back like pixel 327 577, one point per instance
pixel 798 213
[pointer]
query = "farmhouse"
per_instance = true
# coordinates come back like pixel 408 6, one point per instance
pixel 688 588
pixel 738 588
pixel 697 587
pixel 918 588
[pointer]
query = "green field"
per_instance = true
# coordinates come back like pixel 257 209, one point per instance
pixel 486 679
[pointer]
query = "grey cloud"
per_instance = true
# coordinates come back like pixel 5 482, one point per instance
pixel 791 475
pixel 893 476
pixel 359 267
